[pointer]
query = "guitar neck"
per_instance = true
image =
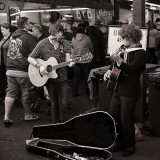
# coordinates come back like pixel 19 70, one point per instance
pixel 60 65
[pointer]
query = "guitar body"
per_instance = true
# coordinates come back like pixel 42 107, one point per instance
pixel 113 80
pixel 34 75
pixel 51 65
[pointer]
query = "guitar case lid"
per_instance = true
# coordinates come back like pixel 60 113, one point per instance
pixel 92 130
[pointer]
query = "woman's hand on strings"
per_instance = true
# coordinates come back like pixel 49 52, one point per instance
pixel 117 58
pixel 107 75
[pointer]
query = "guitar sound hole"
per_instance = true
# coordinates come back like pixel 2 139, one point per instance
pixel 49 68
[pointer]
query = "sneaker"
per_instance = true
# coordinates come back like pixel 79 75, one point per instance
pixel 8 123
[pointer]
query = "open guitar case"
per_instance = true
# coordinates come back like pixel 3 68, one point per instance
pixel 88 136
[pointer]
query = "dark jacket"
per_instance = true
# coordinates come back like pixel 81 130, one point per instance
pixel 21 45
pixel 4 44
pixel 98 41
pixel 129 79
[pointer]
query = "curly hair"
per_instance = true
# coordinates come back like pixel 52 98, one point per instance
pixel 131 31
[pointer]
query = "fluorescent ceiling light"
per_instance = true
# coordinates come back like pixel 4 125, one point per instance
pixel 52 10
pixel 47 10
pixel 68 16
pixel 152 4
pixel 153 8
pixel 15 13
pixel 79 8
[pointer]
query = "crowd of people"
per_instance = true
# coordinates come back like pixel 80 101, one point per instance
pixel 21 47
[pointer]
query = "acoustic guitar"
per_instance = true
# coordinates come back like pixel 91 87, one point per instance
pixel 113 80
pixel 37 79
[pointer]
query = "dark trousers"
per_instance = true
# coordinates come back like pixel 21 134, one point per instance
pixel 58 92
pixel 152 58
pixel 122 110
pixel 80 70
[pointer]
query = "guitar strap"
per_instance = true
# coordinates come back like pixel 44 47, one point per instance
pixel 125 57
pixel 132 49
pixel 129 50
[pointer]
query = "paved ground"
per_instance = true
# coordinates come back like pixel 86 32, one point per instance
pixel 12 139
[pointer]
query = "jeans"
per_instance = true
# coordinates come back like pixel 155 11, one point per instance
pixel 58 92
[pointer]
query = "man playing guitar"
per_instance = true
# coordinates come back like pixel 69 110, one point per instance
pixel 127 91
pixel 54 47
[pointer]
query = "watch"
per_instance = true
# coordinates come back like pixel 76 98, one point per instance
pixel 2 6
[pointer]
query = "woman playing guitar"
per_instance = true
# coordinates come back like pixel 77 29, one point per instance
pixel 127 91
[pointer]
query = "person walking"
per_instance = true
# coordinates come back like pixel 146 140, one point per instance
pixel 39 92
pixel 21 44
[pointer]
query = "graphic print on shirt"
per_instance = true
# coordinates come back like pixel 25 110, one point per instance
pixel 14 47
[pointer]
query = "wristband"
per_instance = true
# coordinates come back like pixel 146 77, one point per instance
pixel 38 65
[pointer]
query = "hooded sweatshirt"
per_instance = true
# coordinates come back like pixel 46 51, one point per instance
pixel 21 45
pixel 82 45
